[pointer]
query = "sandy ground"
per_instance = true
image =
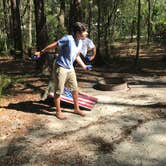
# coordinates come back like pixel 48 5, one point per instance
pixel 125 128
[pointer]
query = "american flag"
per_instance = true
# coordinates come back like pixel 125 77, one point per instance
pixel 84 100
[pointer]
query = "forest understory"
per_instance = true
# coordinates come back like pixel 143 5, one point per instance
pixel 125 127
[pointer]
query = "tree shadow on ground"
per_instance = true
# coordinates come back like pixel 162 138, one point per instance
pixel 21 150
pixel 148 84
pixel 32 86
pixel 155 105
pixel 145 67
pixel 40 107
pixel 30 107
pixel 17 67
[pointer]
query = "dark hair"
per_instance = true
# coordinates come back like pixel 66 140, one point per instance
pixel 79 27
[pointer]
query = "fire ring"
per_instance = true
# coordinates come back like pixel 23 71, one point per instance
pixel 111 84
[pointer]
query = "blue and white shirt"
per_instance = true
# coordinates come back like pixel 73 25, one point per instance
pixel 87 44
pixel 69 49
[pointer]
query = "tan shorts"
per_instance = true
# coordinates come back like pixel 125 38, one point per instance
pixel 63 78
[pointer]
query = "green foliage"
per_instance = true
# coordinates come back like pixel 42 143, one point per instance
pixel 2 43
pixel 6 81
pixel 52 9
pixel 119 26
pixel 159 33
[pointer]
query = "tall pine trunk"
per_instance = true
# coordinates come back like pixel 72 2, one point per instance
pixel 41 28
pixel 149 22
pixel 6 18
pixel 30 24
pixel 75 13
pixel 99 60
pixel 61 15
pixel 17 35
pixel 133 23
pixel 30 28
pixel 89 18
pixel 41 31
pixel 138 32
pixel 6 21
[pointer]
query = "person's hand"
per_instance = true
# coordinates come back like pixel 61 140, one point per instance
pixel 37 54
pixel 88 67
pixel 92 57
pixel 88 58
pixel 34 57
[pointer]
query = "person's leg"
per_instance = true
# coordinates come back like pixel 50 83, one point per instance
pixel 72 84
pixel 49 89
pixel 57 101
pixel 76 104
pixel 59 77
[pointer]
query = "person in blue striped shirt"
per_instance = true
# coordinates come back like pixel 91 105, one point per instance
pixel 63 69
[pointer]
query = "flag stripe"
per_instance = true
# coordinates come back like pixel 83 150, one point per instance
pixel 84 100
pixel 81 104
pixel 88 97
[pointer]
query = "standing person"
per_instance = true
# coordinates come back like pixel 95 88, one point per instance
pixel 64 73
pixel 88 45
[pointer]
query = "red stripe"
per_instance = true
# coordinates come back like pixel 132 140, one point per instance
pixel 83 104
pixel 88 97
pixel 82 95
pixel 81 100
pixel 86 102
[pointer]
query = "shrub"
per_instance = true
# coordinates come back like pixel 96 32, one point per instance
pixel 5 81
pixel 160 31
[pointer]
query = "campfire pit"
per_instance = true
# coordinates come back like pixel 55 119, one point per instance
pixel 111 84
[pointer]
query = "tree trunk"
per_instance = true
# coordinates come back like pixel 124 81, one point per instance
pixel 149 22
pixel 6 18
pixel 138 32
pixel 41 31
pixel 6 22
pixel 61 27
pixel 41 28
pixel 30 24
pixel 75 13
pixel 89 18
pixel 61 16
pixel 106 42
pixel 98 57
pixel 111 20
pixel 17 36
pixel 133 23
pixel 29 28
pixel 132 30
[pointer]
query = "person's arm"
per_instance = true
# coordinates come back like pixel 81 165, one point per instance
pixel 50 46
pixel 93 54
pixel 80 62
pixel 90 46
